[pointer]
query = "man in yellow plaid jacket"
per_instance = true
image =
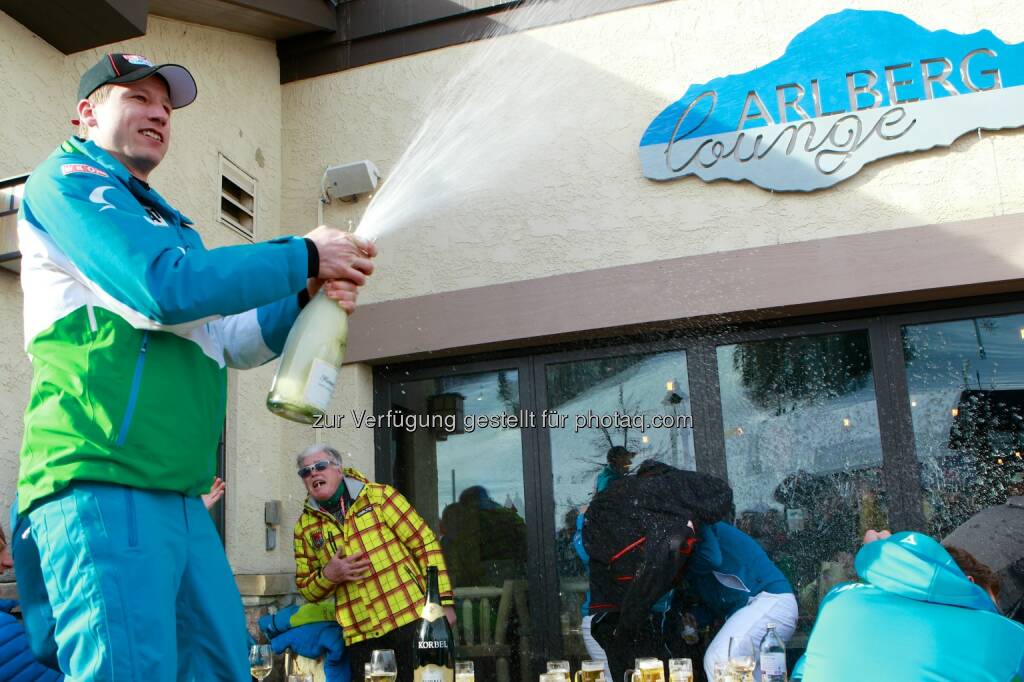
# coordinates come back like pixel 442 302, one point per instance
pixel 365 545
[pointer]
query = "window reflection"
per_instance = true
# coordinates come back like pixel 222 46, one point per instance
pixel 461 466
pixel 803 453
pixel 617 412
pixel 966 382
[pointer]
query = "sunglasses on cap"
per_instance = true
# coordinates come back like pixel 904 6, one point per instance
pixel 320 465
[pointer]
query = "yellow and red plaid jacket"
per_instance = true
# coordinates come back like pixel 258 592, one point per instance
pixel 400 545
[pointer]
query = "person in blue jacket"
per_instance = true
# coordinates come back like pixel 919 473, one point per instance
pixel 619 460
pixel 916 615
pixel 132 324
pixel 734 579
pixel 16 661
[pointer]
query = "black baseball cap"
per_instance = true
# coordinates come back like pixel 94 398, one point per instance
pixel 128 68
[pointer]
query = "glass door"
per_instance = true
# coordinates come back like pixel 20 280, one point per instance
pixel 965 381
pixel 603 418
pixel 458 456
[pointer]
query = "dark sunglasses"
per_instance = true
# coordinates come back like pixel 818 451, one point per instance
pixel 306 472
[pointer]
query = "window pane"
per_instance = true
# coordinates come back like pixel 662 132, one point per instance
pixel 803 453
pixel 467 482
pixel 641 402
pixel 966 382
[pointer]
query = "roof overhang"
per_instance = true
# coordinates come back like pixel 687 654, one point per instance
pixel 72 26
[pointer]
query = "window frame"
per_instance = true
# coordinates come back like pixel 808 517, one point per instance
pixel 7 258
pixel 899 458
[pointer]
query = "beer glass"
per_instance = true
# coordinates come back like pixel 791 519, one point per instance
pixel 562 668
pixel 556 676
pixel 720 672
pixel 382 665
pixel 647 670
pixel 464 671
pixel 680 670
pixel 742 659
pixel 300 677
pixel 591 671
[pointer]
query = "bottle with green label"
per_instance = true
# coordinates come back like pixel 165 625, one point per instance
pixel 435 646
pixel 311 361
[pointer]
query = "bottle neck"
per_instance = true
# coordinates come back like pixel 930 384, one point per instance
pixel 433 589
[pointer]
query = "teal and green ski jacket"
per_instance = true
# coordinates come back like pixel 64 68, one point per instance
pixel 130 323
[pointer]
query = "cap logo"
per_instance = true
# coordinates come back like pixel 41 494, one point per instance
pixel 137 60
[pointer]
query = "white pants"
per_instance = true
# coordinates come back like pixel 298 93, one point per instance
pixel 751 621
pixel 594 649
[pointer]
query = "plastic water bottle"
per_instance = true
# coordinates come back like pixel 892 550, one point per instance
pixel 773 657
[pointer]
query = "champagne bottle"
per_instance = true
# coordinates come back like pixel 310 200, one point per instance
pixel 311 361
pixel 435 646
pixel 773 657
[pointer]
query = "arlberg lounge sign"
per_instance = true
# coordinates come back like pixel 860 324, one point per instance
pixel 855 87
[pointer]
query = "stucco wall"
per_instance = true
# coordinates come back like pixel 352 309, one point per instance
pixel 578 200
pixel 237 113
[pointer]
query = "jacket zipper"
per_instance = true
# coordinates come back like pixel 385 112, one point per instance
pixel 133 395
pixel 92 317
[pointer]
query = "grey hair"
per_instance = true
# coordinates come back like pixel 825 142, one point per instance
pixel 331 453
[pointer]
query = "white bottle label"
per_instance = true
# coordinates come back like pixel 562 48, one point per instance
pixel 773 664
pixel 433 673
pixel 320 385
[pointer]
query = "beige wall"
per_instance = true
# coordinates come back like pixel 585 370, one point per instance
pixel 578 201
pixel 237 113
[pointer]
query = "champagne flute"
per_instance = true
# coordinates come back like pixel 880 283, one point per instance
pixel 382 665
pixel 261 660
pixel 742 659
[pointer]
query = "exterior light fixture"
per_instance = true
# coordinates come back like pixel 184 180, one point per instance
pixel 671 385
pixel 846 422
pixel 450 407
pixel 645 439
pixel 913 403
pixel 955 412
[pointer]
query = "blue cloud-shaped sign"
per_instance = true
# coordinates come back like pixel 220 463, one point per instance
pixel 854 87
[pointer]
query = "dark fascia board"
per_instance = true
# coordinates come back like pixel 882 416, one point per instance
pixel 317 14
pixel 372 31
pixel 72 25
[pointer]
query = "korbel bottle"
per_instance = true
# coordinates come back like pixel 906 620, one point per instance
pixel 310 363
pixel 435 646
pixel 773 657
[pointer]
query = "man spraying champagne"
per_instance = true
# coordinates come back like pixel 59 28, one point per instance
pixel 131 324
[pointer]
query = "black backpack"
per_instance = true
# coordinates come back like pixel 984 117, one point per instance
pixel 640 531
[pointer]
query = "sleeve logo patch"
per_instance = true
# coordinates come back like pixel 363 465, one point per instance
pixel 69 168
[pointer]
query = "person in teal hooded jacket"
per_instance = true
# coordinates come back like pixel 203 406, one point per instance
pixel 914 617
